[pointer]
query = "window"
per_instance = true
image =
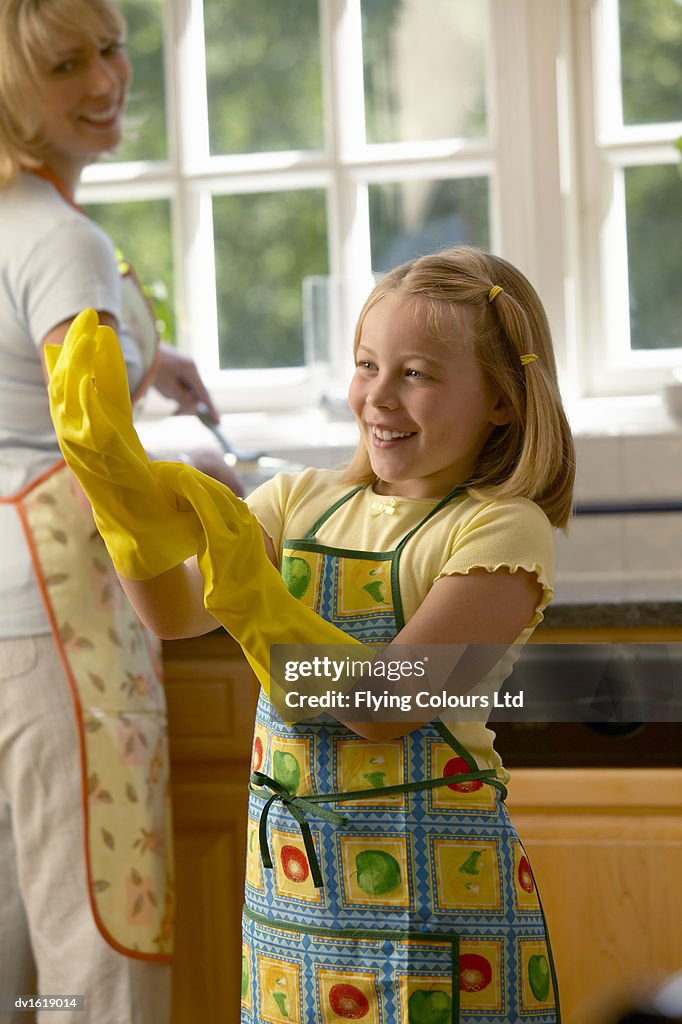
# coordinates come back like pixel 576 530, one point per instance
pixel 271 143
pixel 631 110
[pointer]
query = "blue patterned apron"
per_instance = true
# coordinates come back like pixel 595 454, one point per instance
pixel 385 882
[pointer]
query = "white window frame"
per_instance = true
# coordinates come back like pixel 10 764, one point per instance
pixel 548 158
pixel 605 148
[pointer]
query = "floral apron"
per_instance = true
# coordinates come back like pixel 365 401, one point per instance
pixel 112 666
pixel 385 882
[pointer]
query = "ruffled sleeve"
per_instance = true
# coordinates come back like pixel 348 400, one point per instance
pixel 507 534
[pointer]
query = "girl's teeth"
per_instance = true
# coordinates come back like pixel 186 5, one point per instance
pixel 388 435
pixel 101 118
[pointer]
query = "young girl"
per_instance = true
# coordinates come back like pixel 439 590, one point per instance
pixel 385 882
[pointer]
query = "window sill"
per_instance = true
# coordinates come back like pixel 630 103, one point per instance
pixel 627 415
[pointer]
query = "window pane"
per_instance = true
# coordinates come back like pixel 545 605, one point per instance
pixel 651 59
pixel 410 218
pixel 146 118
pixel 263 75
pixel 265 245
pixel 424 68
pixel 142 231
pixel 653 197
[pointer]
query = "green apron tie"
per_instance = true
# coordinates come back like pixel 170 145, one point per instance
pixel 298 806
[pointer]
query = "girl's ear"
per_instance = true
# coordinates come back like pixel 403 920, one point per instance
pixel 501 412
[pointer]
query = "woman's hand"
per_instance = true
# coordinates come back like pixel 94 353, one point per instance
pixel 177 378
pixel 211 462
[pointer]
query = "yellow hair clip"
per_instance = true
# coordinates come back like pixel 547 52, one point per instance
pixel 528 357
pixel 496 290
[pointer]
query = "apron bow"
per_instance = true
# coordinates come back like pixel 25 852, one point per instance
pixel 298 807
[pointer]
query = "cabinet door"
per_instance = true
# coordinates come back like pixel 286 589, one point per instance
pixel 210 840
pixel 606 849
pixel 211 695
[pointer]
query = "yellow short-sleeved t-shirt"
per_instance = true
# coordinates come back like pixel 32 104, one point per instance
pixel 512 533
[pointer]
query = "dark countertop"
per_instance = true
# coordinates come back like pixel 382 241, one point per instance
pixel 618 614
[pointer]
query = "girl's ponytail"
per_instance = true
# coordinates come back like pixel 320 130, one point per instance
pixel 539 460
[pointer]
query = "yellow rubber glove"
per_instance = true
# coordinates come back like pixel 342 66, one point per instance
pixel 139 520
pixel 242 588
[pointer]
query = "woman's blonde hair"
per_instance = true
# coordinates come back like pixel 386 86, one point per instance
pixel 27 33
pixel 452 296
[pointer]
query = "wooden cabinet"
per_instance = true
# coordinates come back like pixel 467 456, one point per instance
pixel 606 849
pixel 212 696
pixel 606 846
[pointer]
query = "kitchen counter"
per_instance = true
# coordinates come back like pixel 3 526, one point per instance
pixel 613 614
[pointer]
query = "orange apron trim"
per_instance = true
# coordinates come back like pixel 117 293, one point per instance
pixel 113 672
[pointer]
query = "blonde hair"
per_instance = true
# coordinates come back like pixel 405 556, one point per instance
pixel 27 33
pixel 448 294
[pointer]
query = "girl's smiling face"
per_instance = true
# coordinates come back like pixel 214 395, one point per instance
pixel 423 407
pixel 85 84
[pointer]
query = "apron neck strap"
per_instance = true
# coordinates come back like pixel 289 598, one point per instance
pixel 460 489
pixel 42 172
pixel 310 535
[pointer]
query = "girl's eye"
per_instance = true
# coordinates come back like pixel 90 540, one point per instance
pixel 112 49
pixel 364 364
pixel 417 374
pixel 64 67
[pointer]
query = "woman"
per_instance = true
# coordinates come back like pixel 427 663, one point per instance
pixel 93 909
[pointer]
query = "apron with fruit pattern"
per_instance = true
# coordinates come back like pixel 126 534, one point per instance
pixel 112 665
pixel 385 882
